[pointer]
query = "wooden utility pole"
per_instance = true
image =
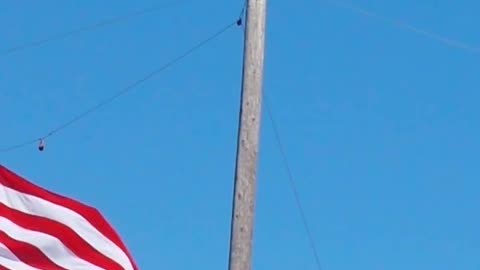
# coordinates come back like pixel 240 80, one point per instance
pixel 248 137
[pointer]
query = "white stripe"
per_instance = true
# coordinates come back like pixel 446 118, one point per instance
pixel 49 245
pixel 33 205
pixel 9 260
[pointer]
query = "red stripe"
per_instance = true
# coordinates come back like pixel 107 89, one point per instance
pixel 63 233
pixel 14 181
pixel 28 254
pixel 3 267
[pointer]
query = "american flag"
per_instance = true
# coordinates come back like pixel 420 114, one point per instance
pixel 43 230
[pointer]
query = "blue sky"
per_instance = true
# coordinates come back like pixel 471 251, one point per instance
pixel 379 124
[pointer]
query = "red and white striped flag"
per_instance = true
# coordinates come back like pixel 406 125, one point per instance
pixel 43 230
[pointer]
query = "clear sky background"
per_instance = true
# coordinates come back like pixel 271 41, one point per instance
pixel 380 125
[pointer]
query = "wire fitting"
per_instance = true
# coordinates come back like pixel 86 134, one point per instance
pixel 41 144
